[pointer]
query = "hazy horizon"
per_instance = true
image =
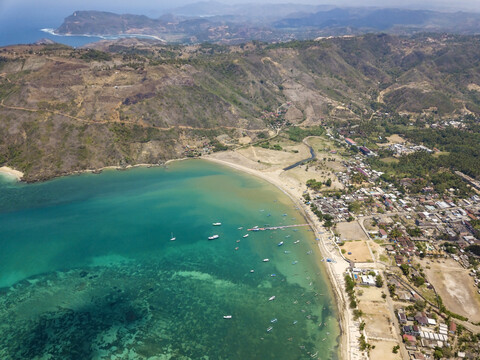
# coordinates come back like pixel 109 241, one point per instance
pixel 21 21
pixel 155 8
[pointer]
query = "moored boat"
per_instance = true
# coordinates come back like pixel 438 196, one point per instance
pixel 213 237
pixel 271 298
pixel 280 243
pixel 246 235
pixel 266 260
pixel 270 328
pixel 217 224
pixel 172 238
pixel 227 316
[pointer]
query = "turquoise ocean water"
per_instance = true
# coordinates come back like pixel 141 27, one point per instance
pixel 88 271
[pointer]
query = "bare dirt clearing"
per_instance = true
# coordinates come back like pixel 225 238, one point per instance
pixel 274 158
pixel 350 231
pixel 303 174
pixel 320 169
pixel 393 139
pixel 378 322
pixel 370 293
pixel 455 287
pixel 357 251
pixel 383 351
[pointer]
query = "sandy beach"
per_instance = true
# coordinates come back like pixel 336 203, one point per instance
pixel 293 186
pixel 12 173
pixel 335 269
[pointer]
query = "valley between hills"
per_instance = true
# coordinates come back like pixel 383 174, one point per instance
pixel 132 101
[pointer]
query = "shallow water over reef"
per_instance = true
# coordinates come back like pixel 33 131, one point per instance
pixel 88 270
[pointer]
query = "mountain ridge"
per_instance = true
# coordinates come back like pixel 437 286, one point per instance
pixel 271 23
pixel 134 101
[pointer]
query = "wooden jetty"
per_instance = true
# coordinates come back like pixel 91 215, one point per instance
pixel 276 227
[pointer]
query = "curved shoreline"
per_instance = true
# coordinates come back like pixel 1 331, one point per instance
pixel 104 37
pixel 11 173
pixel 334 269
pixel 335 276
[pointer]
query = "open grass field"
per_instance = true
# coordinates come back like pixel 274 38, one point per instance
pixel 441 153
pixel 390 160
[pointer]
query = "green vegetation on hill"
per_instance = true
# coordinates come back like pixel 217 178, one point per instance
pixel 96 55
pixel 298 134
pixel 133 101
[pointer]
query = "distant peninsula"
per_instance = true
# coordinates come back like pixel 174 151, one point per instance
pixel 242 23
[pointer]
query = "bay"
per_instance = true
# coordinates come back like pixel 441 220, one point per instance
pixel 24 22
pixel 88 270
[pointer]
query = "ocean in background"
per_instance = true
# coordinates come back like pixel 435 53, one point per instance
pixel 22 26
pixel 24 22
pixel 88 270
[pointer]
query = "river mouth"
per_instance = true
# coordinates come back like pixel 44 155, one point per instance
pixel 88 268
pixel 301 162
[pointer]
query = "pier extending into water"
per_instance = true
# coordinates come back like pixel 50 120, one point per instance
pixel 276 227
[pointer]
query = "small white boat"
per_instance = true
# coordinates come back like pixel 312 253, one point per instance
pixel 240 228
pixel 274 320
pixel 213 237
pixel 280 243
pixel 172 237
pixel 266 260
pixel 296 241
pixel 271 298
pixel 217 224
pixel 270 328
pixel 227 316
pixel 252 271
pixel 245 236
